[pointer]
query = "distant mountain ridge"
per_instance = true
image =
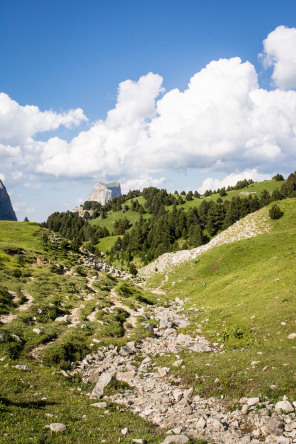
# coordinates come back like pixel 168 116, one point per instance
pixel 103 192
pixel 6 209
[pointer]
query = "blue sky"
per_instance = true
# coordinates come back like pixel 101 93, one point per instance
pixel 79 55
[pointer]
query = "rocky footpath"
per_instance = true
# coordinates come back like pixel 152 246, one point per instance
pixel 93 262
pixel 251 225
pixel 156 394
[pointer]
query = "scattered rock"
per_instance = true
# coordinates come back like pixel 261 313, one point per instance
pixel 273 427
pixel 61 318
pixel 177 439
pixel 125 351
pixel 163 371
pixel 201 423
pixel 103 381
pixel 178 363
pixel 16 337
pixel 292 336
pixel 252 401
pixel 215 424
pixel 22 367
pixel 57 427
pixel 125 431
pixel 284 406
pixel 100 405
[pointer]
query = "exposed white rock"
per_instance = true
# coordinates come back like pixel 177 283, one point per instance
pixel 57 427
pixel 177 439
pixel 201 423
pixel 100 405
pixel 22 367
pixel 103 381
pixel 284 406
pixel 102 192
pixel 292 336
pixel 252 401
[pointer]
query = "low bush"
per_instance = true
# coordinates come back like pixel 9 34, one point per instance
pixel 70 348
pixel 6 301
pixel 275 212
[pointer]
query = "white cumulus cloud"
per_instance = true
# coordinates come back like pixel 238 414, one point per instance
pixel 280 53
pixel 231 180
pixel 222 122
pixel 141 182
pixel 18 123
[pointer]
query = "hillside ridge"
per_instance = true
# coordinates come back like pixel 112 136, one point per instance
pixel 251 225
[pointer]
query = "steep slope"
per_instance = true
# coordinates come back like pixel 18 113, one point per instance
pixel 6 209
pixel 241 296
pixel 251 225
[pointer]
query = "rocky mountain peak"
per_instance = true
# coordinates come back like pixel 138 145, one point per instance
pixel 103 192
pixel 6 209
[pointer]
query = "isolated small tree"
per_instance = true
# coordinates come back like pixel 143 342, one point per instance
pixel 26 219
pixel 64 244
pixel 275 212
pixel 44 239
pixel 75 245
pixel 189 196
pixel 222 192
pixel 132 269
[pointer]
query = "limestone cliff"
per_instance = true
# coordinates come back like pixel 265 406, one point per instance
pixel 6 210
pixel 102 192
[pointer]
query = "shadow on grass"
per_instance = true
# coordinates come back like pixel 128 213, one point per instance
pixel 27 405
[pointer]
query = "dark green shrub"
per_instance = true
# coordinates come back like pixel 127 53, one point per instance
pixel 275 212
pixel 133 270
pixel 278 177
pixel 81 270
pixel 70 348
pixel 10 344
pixel 6 301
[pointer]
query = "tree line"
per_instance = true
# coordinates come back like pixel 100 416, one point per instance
pixel 166 229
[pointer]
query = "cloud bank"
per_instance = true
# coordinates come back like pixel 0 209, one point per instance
pixel 222 122
pixel 280 53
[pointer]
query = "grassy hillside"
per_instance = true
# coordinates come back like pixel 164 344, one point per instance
pixel 242 297
pixel 54 311
pixel 41 282
pixel 107 243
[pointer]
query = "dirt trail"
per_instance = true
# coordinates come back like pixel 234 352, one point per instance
pixel 9 317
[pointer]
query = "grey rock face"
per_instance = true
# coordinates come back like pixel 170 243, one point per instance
pixel 102 192
pixel 6 210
